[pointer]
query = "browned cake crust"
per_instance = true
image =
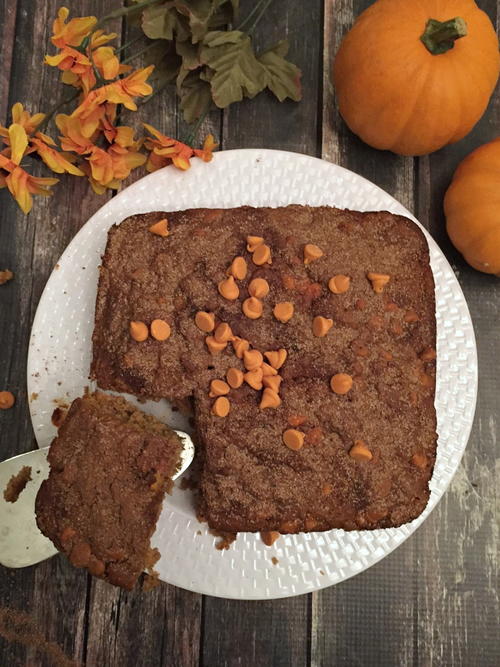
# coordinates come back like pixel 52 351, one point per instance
pixel 110 467
pixel 251 480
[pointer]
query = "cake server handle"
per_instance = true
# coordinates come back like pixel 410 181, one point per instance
pixel 21 542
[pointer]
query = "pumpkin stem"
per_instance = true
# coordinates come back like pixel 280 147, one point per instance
pixel 439 36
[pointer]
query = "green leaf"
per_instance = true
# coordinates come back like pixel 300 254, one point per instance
pixel 158 21
pixel 283 76
pixel 164 22
pixel 196 97
pixel 237 72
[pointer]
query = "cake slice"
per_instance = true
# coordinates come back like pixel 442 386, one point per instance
pixel 348 439
pixel 110 467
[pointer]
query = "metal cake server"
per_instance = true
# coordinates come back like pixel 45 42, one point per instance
pixel 21 542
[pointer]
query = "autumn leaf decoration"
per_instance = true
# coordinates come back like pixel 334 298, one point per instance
pixel 211 64
pixel 191 43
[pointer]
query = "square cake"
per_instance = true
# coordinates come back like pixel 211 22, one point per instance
pixel 110 467
pixel 304 337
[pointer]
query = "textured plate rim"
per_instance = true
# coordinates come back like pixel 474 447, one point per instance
pixel 249 154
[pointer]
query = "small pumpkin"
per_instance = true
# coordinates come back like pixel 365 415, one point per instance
pixel 472 208
pixel 414 75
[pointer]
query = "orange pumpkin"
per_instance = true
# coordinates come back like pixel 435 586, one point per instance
pixel 472 208
pixel 414 75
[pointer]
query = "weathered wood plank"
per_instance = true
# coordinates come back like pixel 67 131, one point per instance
pixel 459 548
pixel 8 12
pixel 271 633
pixel 53 592
pixel 435 600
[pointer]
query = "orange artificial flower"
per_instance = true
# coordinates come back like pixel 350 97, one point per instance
pixel 55 160
pixel 22 185
pixel 109 167
pixel 209 145
pixel 24 119
pixel 72 138
pixel 163 149
pixel 76 67
pixel 99 37
pixel 133 85
pixel 72 33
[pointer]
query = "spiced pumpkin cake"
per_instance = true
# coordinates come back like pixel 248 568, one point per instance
pixel 305 338
pixel 110 467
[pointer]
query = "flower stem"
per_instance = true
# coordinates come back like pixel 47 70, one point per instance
pixel 124 11
pixel 60 104
pixel 196 127
pixel 129 43
pixel 265 6
pixel 139 53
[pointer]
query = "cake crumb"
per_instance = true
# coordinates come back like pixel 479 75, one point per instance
pixel 321 572
pixel 58 416
pixel 5 276
pixel 33 396
pixel 151 580
pixel 17 484
pixel 198 532
pixel 226 539
pixel 274 560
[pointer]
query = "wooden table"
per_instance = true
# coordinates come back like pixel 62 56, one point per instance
pixel 432 602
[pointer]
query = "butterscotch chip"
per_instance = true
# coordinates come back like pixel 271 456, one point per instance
pixel 234 377
pixel 7 400
pixel 258 287
pixel 267 369
pixel 397 329
pixel 205 321
pixel 411 316
pixel 160 330
pixel 252 359
pixel 160 228
pixel 311 253
pixel 254 378
pixel 297 420
pixel 229 289
pixel 138 331
pixel 276 357
pixel 269 537
pixel 240 346
pixel 310 523
pixel 293 439
pixel 341 383
pixel 262 255
pixel 253 242
pixel 223 333
pixel 252 308
pixel 238 268
pixel 426 380
pixel 429 354
pixel 5 276
pixel 221 407
pixel 378 281
pixel 360 452
pixel 326 489
pixel 321 326
pixel 272 382
pixel 339 284
pixel 270 399
pixel 213 345
pixel 218 388
pixel 283 311
pixel 419 460
pixel 391 307
pixel 386 356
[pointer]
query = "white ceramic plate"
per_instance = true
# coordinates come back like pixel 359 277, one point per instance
pixel 60 352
